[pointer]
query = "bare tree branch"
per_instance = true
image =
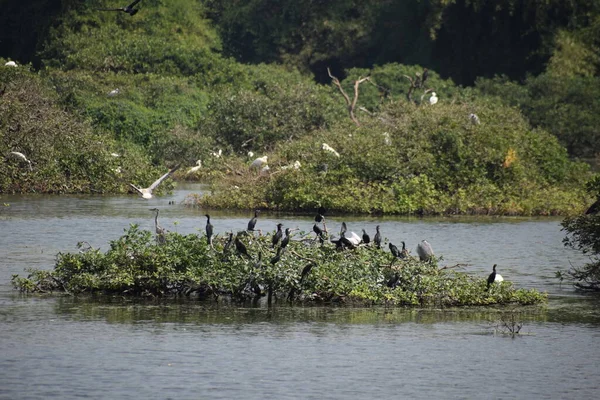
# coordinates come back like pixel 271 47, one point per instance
pixel 350 104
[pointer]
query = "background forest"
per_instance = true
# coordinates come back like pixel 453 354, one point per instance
pixel 196 77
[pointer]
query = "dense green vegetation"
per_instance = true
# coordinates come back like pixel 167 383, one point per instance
pixel 306 272
pixel 196 77
pixel 583 233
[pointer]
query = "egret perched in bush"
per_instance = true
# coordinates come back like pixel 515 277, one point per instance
pixel 196 168
pixel 113 92
pixel 217 154
pixel 433 99
pixel 128 9
pixel 10 64
pixel 22 157
pixel 259 162
pixel 424 250
pixel 147 192
pixel 474 119
pixel 329 149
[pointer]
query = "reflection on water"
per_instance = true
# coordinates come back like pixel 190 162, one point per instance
pixel 65 347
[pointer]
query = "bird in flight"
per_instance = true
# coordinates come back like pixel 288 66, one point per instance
pixel 146 193
pixel 128 9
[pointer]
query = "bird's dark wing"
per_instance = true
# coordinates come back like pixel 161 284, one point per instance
pixel 133 3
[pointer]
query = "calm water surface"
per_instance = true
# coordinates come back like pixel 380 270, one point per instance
pixel 63 347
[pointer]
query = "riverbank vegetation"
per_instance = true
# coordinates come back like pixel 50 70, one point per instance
pixel 303 272
pixel 206 81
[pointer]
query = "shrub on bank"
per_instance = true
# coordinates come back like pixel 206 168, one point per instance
pixel 417 159
pixel 305 272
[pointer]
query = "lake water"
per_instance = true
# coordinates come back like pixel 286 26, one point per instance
pixel 54 346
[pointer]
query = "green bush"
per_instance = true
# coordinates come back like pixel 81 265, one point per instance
pixel 66 155
pixel 419 159
pixel 306 272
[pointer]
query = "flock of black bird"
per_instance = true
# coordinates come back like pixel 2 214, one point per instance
pixel 280 240
pixel 424 249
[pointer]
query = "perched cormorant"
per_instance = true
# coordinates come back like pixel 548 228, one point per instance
pixel 209 230
pixel 377 238
pixel 277 236
pixel 365 237
pixel 252 222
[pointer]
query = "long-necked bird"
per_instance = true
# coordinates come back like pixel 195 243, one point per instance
pixel 252 222
pixel 319 233
pixel 424 250
pixel 377 238
pixel 146 193
pixel 241 247
pixel 277 236
pixel 128 9
pixel 286 239
pixel 209 230
pixel 365 237
pixel 160 231
pixel 320 214
pixel 394 250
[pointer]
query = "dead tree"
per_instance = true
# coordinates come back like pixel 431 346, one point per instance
pixel 417 82
pixel 351 105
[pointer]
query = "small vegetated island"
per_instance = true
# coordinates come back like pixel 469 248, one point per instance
pixel 246 267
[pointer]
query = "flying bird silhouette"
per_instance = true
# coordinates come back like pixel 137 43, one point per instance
pixel 128 9
pixel 146 193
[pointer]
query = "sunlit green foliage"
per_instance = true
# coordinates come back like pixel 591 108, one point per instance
pixel 66 155
pixel 173 37
pixel 186 265
pixel 417 159
pixel 583 233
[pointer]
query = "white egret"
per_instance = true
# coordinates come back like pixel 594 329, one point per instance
pixel 259 162
pixel 433 99
pixel 295 165
pixel 113 92
pixel 146 193
pixel 265 170
pixel 22 157
pixel 196 168
pixel 474 119
pixel 10 64
pixel 217 154
pixel 128 9
pixel 386 139
pixel 329 149
pixel 250 154
pixel 114 154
